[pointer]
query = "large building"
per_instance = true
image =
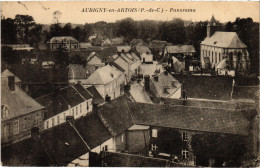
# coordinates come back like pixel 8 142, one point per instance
pixel 67 42
pixel 220 45
pixel 19 112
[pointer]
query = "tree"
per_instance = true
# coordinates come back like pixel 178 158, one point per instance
pixel 35 34
pixel 23 24
pixel 221 148
pixel 8 31
pixel 77 33
pixel 78 59
pixel 55 30
pixel 67 30
pixel 127 28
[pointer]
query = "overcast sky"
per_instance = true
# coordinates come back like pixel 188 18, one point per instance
pixel 42 12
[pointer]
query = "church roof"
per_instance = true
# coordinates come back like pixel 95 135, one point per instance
pixel 224 40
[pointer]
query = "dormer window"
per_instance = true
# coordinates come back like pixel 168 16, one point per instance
pixel 215 42
pixel 5 111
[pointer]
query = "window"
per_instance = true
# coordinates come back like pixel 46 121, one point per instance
pixel 216 57
pixel 87 106
pixel 219 57
pixel 52 122
pixel 154 147
pixel 96 67
pixel 154 133
pixel 185 153
pixel 16 127
pixel 5 111
pixel 122 138
pixel 73 112
pixel 184 136
pixel 47 124
pixel 58 119
pixel 80 109
pixel 76 110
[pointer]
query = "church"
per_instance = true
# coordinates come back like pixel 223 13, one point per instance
pixel 223 50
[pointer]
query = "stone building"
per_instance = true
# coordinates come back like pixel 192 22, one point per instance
pixel 219 45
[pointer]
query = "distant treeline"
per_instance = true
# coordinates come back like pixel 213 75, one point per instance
pixel 23 29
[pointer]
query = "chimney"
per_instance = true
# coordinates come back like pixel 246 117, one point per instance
pixel 107 98
pixel 70 119
pixel 147 82
pixel 11 84
pixel 165 72
pixel 156 78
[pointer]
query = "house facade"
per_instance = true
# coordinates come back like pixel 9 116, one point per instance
pixel 163 85
pixel 220 45
pixel 20 113
pixel 108 81
pixel 73 101
pixel 128 60
pixel 94 62
pixel 67 42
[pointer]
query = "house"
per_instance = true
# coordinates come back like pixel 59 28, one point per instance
pixel 77 73
pixel 220 45
pixel 68 144
pixel 144 53
pixel 151 69
pixel 73 101
pixel 84 45
pixel 108 81
pixel 186 122
pixel 180 51
pixel 118 41
pixel 106 42
pixel 137 42
pixel 128 60
pixel 20 112
pixel 94 62
pixel 163 85
pixel 67 42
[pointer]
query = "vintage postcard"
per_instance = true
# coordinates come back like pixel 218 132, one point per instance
pixel 129 84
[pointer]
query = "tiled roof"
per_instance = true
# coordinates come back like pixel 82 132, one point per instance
pixel 142 49
pixel 77 71
pixel 230 105
pixel 60 38
pixel 7 73
pixel 116 115
pixel 97 98
pixel 92 130
pixel 60 100
pixel 166 86
pixel 103 75
pixel 137 41
pixel 225 40
pixel 116 66
pixel 206 87
pixel 18 101
pixel 125 48
pixel 180 49
pixel 84 92
pixel 58 145
pixel 190 118
pixel 63 144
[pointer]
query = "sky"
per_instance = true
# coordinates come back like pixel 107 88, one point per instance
pixel 42 12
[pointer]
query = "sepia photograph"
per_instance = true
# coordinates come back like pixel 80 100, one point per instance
pixel 130 84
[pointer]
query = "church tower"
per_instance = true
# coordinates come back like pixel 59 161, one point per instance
pixel 212 27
